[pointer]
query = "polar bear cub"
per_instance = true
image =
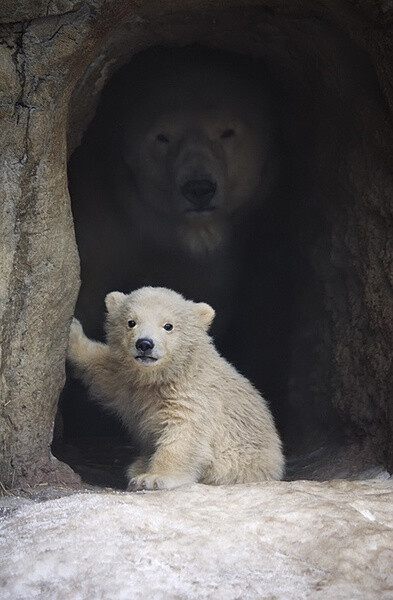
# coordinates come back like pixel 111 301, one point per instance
pixel 196 418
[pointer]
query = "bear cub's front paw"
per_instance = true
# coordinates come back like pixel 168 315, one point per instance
pixel 75 337
pixel 149 481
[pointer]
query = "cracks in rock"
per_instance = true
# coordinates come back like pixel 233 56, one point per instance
pixel 55 33
pixel 65 19
pixel 17 281
pixel 22 104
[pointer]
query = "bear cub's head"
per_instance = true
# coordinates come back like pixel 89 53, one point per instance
pixel 156 328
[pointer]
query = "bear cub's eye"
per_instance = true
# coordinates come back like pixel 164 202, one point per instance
pixel 162 138
pixel 168 326
pixel 131 324
pixel 227 133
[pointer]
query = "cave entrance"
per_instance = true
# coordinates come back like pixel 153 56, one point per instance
pixel 290 279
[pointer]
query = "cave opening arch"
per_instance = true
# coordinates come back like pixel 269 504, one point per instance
pixel 336 186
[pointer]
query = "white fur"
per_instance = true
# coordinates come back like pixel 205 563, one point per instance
pixel 196 417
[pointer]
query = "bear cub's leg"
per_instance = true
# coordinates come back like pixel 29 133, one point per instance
pixel 138 467
pixel 168 468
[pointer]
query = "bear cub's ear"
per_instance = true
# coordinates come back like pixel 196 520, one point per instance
pixel 113 299
pixel 206 313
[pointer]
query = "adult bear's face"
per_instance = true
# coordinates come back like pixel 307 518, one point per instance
pixel 197 164
pixel 198 146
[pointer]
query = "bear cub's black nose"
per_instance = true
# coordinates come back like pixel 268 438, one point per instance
pixel 144 344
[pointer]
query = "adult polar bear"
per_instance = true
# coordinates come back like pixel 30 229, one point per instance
pixel 179 159
pixel 197 141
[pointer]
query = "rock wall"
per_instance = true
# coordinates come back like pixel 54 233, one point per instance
pixel 55 59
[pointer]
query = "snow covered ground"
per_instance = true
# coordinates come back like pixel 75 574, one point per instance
pixel 284 540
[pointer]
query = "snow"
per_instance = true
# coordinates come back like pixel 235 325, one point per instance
pixel 281 540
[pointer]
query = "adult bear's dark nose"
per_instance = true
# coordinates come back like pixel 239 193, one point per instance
pixel 199 192
pixel 144 344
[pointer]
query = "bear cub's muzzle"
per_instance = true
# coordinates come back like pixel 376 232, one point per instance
pixel 145 348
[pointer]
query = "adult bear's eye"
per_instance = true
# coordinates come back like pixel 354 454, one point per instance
pixel 227 134
pixel 131 324
pixel 168 326
pixel 162 138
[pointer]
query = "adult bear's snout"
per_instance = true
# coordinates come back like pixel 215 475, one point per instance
pixel 199 192
pixel 144 344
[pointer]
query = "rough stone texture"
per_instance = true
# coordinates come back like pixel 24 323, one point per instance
pixel 15 11
pixel 38 255
pixel 55 58
pixel 308 540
